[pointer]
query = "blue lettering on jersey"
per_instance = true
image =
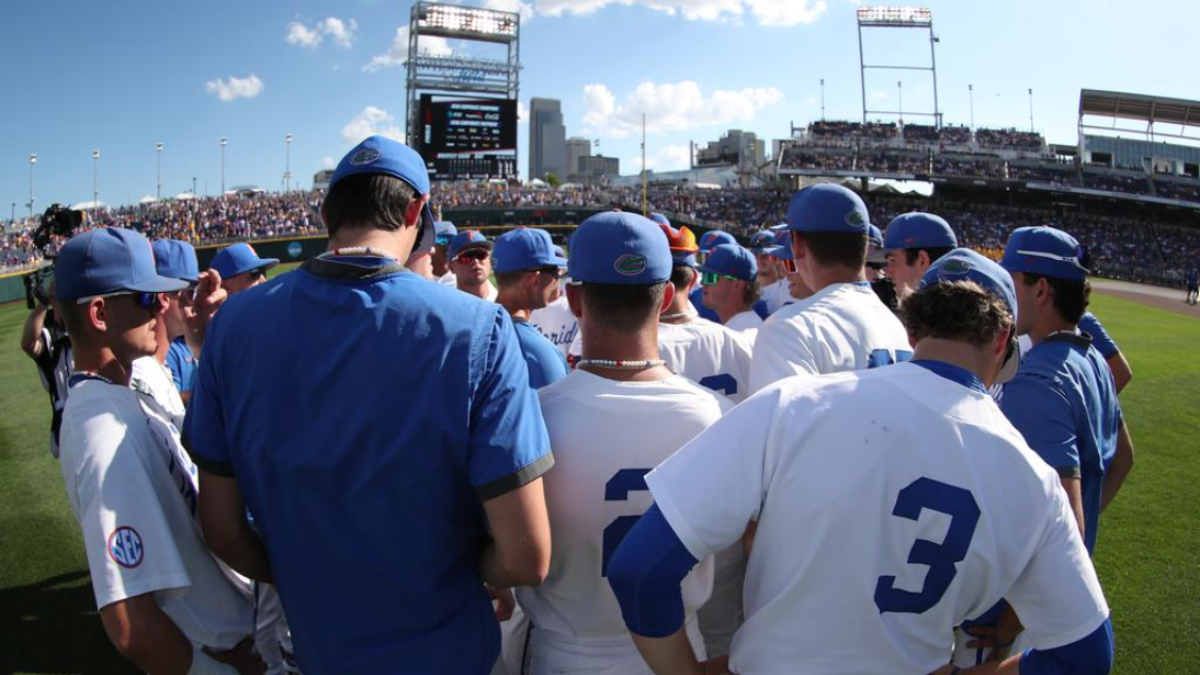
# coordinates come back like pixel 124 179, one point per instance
pixel 722 383
pixel 617 489
pixel 886 357
pixel 125 547
pixel 960 505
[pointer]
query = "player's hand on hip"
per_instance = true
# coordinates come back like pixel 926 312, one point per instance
pixel 505 602
pixel 242 657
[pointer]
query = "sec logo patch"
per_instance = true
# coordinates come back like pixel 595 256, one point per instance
pixel 125 547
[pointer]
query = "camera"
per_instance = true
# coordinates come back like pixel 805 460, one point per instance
pixel 57 221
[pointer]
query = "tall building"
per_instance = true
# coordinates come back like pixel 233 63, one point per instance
pixel 576 147
pixel 596 168
pixel 736 148
pixel 547 139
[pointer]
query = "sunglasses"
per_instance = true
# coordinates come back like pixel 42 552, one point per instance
pixel 257 274
pixel 711 278
pixel 443 241
pixel 466 257
pixel 143 300
pixel 555 272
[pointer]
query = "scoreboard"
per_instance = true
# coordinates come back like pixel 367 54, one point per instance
pixel 468 138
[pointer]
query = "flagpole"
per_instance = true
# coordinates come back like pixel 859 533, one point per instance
pixel 645 205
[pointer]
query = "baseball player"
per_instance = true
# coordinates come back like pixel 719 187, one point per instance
pixel 176 259
pixel 241 268
pixel 471 262
pixel 527 272
pixel 618 414
pixel 843 325
pixel 555 320
pixel 729 278
pixel 891 504
pixel 403 461
pixel 1193 285
pixel 44 339
pixel 165 601
pixel 444 233
pixel 912 242
pixel 708 241
pixel 774 284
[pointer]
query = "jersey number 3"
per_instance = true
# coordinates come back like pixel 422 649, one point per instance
pixel 617 489
pixel 959 504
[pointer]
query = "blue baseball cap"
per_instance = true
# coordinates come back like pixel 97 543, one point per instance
pixel 526 248
pixel 963 264
pixel 617 247
pixel 919 230
pixel 108 260
pixel 731 260
pixel 382 155
pixel 176 259
pixel 444 228
pixel 1046 251
pixel 714 238
pixel 468 239
pixel 874 236
pixel 827 208
pixel 783 245
pixel 239 259
pixel 762 241
pixel 660 219
pixel 558 251
pixel 682 244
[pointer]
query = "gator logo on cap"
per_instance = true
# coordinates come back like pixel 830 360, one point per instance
pixel 364 156
pixel 957 266
pixel 630 264
pixel 855 219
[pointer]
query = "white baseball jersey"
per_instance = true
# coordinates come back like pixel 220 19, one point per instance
pixel 776 295
pixel 839 328
pixel 708 353
pixel 606 435
pixel 747 323
pixel 891 505
pixel 557 323
pixel 133 490
pixel 448 279
pixel 153 379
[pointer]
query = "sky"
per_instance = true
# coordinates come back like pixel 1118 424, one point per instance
pixel 120 77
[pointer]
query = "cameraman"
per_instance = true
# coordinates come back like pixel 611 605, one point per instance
pixel 45 340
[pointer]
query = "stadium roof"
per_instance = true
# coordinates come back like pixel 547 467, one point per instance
pixel 1152 109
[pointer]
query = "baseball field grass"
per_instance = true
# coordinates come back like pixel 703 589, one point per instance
pixel 1148 554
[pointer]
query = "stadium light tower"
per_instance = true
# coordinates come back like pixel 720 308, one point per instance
pixel 822 99
pixel 971 101
pixel 223 142
pixel 32 163
pixel 1031 110
pixel 287 168
pixel 918 18
pixel 158 148
pixel 495 78
pixel 95 178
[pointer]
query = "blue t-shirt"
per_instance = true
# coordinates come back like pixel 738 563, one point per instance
pixel 367 413
pixel 1100 340
pixel 181 364
pixel 547 364
pixel 1064 402
pixel 697 298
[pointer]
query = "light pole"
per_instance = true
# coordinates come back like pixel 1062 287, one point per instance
pixel 32 163
pixel 1031 111
pixel 900 100
pixel 287 171
pixel 971 99
pixel 822 99
pixel 223 141
pixel 193 187
pixel 158 148
pixel 95 178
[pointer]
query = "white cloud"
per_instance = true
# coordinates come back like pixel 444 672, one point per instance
pixel 879 95
pixel 235 87
pixel 328 162
pixel 341 32
pixel 670 107
pixel 369 122
pixel 522 112
pixel 397 54
pixel 675 156
pixel 765 12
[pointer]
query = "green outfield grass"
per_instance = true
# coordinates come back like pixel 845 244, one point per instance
pixel 1148 553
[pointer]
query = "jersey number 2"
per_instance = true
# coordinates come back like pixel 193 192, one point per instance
pixel 617 489
pixel 960 505
pixel 722 383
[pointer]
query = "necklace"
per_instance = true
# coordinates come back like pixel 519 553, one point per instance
pixel 644 364
pixel 355 250
pixel 673 317
pixel 1071 332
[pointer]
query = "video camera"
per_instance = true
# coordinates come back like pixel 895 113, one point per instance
pixel 57 221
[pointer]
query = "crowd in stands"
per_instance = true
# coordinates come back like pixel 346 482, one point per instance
pixel 1134 183
pixel 1136 249
pixel 847 131
pixel 1010 139
pixel 1175 190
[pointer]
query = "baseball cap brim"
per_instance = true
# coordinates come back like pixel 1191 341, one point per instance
pixel 158 284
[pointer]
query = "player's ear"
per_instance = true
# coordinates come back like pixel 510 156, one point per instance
pixel 574 294
pixel 412 213
pixel 668 296
pixel 97 315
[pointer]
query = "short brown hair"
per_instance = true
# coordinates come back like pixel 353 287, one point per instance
pixel 751 292
pixel 625 308
pixel 682 275
pixel 506 279
pixel 837 249
pixel 373 201
pixel 1071 298
pixel 955 310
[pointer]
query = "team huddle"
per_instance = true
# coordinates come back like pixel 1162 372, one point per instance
pixel 879 453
